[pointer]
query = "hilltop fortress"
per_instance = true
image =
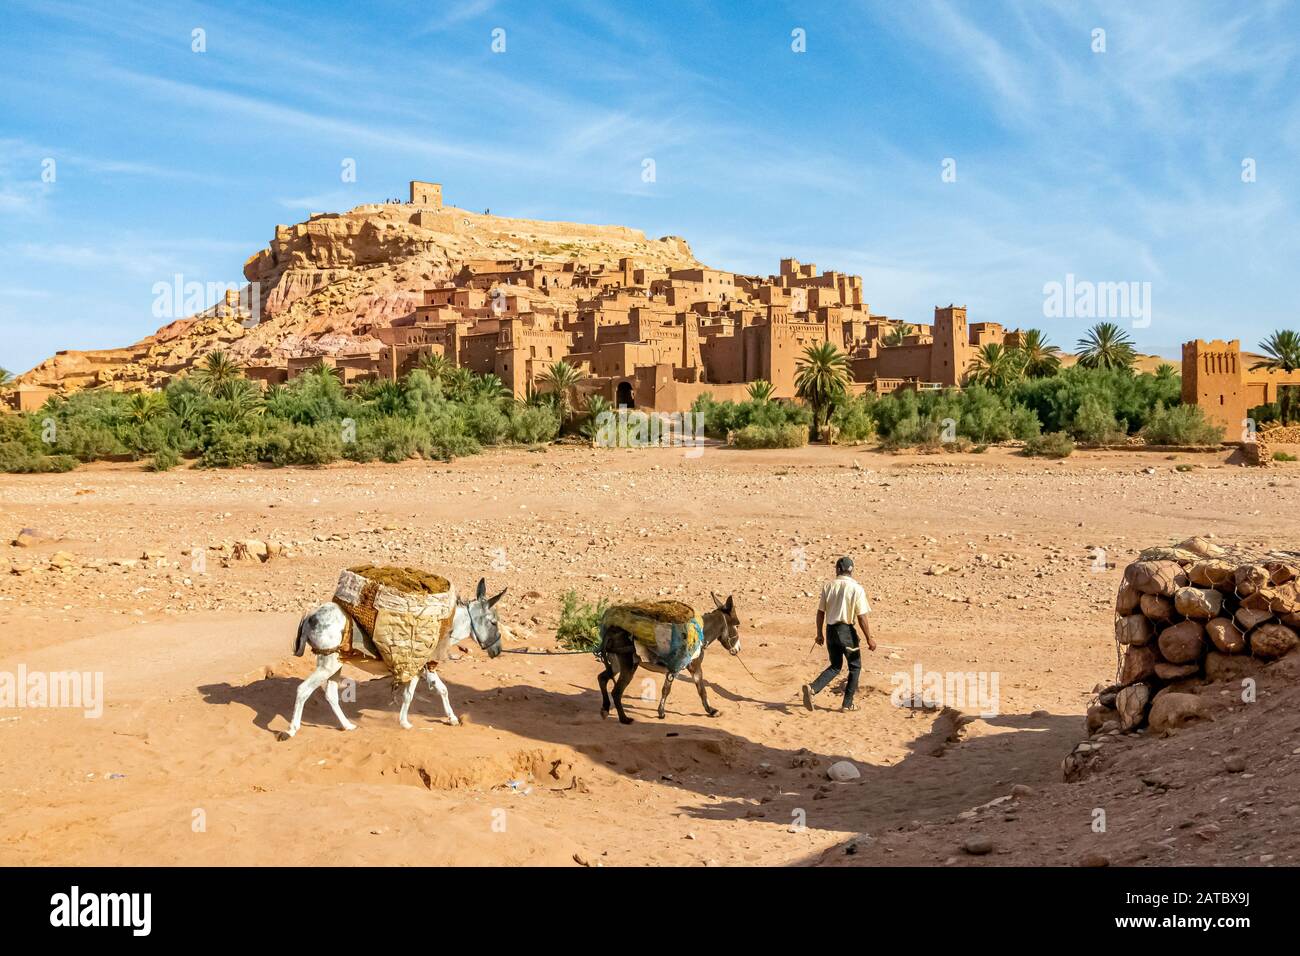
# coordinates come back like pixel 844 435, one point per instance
pixel 373 290
pixel 651 331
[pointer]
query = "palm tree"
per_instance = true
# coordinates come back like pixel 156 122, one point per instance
pixel 457 383
pixel 323 369
pixel 760 391
pixel 563 380
pixel 533 398
pixel 821 379
pixel 385 397
pixel 1165 371
pixel 489 388
pixel 896 335
pixel 5 377
pixel 144 406
pixel 995 366
pixel 216 369
pixel 234 401
pixel 435 364
pixel 1106 346
pixel 1041 358
pixel 1283 351
pixel 597 405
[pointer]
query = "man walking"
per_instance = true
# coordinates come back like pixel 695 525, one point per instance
pixel 842 603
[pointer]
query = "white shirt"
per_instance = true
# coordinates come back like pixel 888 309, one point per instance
pixel 843 600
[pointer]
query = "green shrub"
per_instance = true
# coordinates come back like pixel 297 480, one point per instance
pixel 1181 425
pixel 1284 456
pixel 723 418
pixel 485 422
pixel 165 459
pixel 913 432
pixel 533 425
pixel 770 436
pixel 20 458
pixel 388 439
pixel 579 627
pixel 852 421
pixel 1094 423
pixel 311 445
pixel 229 447
pixel 1050 445
pixel 87 440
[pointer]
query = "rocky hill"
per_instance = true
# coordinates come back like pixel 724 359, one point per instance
pixel 323 281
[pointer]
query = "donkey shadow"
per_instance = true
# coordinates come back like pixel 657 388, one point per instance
pixel 273 697
pixel 744 780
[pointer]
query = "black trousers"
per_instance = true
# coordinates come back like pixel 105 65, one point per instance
pixel 841 644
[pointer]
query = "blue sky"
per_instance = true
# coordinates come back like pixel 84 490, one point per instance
pixel 1115 166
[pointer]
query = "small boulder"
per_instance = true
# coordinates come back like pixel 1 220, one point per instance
pixel 1199 604
pixel 1138 664
pixel 1132 705
pixel 1212 574
pixel 1135 628
pixel 1126 602
pixel 1248 617
pixel 978 846
pixel 1156 607
pixel 1170 711
pixel 30 537
pixel 842 771
pixel 1249 578
pixel 1225 635
pixel 1203 547
pixel 1272 640
pixel 1182 643
pixel 1156 577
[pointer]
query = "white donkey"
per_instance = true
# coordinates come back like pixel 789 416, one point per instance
pixel 322 631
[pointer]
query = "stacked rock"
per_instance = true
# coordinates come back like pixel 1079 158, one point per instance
pixel 1184 613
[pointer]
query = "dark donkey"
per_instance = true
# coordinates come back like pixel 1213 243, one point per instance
pixel 619 651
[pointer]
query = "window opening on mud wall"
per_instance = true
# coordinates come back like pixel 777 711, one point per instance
pixel 625 395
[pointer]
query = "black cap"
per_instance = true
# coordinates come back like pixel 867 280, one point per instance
pixel 844 565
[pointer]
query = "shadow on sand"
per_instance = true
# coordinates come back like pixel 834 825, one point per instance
pixel 740 779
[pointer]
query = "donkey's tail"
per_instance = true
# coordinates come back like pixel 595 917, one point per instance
pixel 300 644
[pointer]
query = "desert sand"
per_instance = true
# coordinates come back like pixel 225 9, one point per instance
pixel 973 563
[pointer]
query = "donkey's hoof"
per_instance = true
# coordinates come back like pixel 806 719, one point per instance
pixel 454 721
pixel 407 725
pixel 713 712
pixel 662 715
pixel 604 712
pixel 287 734
pixel 349 726
pixel 625 720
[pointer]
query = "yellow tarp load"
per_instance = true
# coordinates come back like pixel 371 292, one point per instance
pixel 667 633
pixel 406 613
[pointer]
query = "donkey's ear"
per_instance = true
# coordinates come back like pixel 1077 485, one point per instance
pixel 730 605
pixel 482 589
pixel 716 602
pixel 497 597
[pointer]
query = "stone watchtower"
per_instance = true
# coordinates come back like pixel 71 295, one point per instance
pixel 426 194
pixel 951 351
pixel 1213 379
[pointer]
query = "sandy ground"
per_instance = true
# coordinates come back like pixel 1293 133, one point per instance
pixel 185 765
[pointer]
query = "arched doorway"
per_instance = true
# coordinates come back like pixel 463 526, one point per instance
pixel 625 395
